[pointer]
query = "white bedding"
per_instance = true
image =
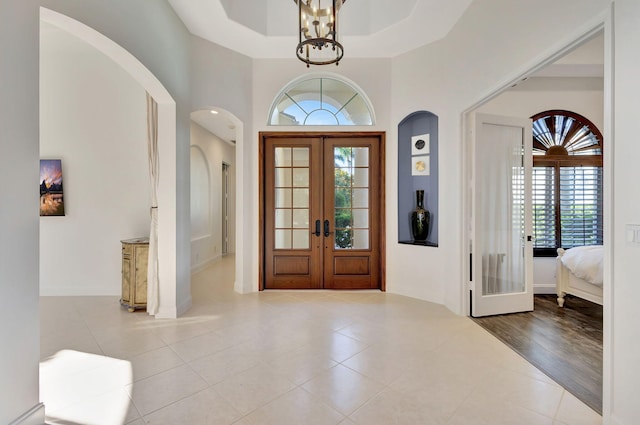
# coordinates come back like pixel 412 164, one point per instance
pixel 585 262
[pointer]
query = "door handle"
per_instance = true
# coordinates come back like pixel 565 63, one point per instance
pixel 317 232
pixel 326 228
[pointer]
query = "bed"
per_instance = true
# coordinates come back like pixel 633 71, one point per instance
pixel 579 273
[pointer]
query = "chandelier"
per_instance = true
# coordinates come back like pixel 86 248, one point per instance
pixel 318 32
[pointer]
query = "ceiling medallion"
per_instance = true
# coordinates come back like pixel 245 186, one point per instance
pixel 318 32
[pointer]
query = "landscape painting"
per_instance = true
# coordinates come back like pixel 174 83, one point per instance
pixel 51 195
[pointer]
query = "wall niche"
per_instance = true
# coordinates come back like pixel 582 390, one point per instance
pixel 418 170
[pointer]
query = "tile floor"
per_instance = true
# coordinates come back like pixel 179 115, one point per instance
pixel 300 358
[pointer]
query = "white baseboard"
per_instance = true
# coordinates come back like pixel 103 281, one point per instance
pixel 35 416
pixel 174 313
pixel 166 313
pixel 544 289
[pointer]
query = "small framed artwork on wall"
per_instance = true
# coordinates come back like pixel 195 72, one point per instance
pixel 51 193
pixel 420 144
pixel 420 165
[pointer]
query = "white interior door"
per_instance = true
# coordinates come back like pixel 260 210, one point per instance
pixel 502 216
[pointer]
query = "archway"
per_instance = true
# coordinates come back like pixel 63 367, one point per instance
pixel 229 129
pixel 166 144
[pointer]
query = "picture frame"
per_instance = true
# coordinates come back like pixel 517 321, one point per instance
pixel 51 188
pixel 420 165
pixel 420 144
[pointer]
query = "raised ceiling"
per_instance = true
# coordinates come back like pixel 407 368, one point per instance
pixel 368 28
pixel 268 29
pixel 371 28
pixel 585 61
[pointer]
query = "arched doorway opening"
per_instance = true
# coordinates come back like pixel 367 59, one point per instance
pixel 216 139
pixel 166 144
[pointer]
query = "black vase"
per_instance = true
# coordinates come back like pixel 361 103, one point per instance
pixel 420 219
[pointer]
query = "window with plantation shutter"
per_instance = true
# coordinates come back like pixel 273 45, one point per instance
pixel 567 182
pixel 581 206
pixel 544 207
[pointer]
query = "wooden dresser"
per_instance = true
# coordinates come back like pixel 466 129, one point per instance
pixel 135 257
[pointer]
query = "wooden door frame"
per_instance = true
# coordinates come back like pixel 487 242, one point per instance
pixel 263 135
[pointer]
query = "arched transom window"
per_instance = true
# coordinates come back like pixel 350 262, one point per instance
pixel 321 101
pixel 567 181
pixel 565 133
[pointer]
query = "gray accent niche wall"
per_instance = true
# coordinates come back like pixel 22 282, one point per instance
pixel 417 170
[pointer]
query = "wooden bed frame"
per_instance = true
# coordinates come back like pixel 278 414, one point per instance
pixel 568 283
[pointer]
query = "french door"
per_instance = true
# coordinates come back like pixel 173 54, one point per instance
pixel 322 208
pixel 502 247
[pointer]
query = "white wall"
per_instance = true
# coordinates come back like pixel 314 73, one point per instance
pixel 625 260
pixel 490 45
pixel 19 316
pixel 93 117
pixel 544 275
pixel 153 34
pixel 200 196
pixel 153 45
pixel 485 51
pixel 405 262
pixel 222 79
pixel 206 244
pixel 581 95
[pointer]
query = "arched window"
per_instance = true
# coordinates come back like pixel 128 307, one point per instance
pixel 567 181
pixel 321 101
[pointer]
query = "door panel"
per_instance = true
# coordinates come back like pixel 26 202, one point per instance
pixel 351 180
pixel 502 248
pixel 321 197
pixel 292 252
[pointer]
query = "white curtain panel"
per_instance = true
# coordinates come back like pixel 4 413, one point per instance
pixel 501 211
pixel 153 297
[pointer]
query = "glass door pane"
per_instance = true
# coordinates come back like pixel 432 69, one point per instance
pixel 291 198
pixel 351 197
